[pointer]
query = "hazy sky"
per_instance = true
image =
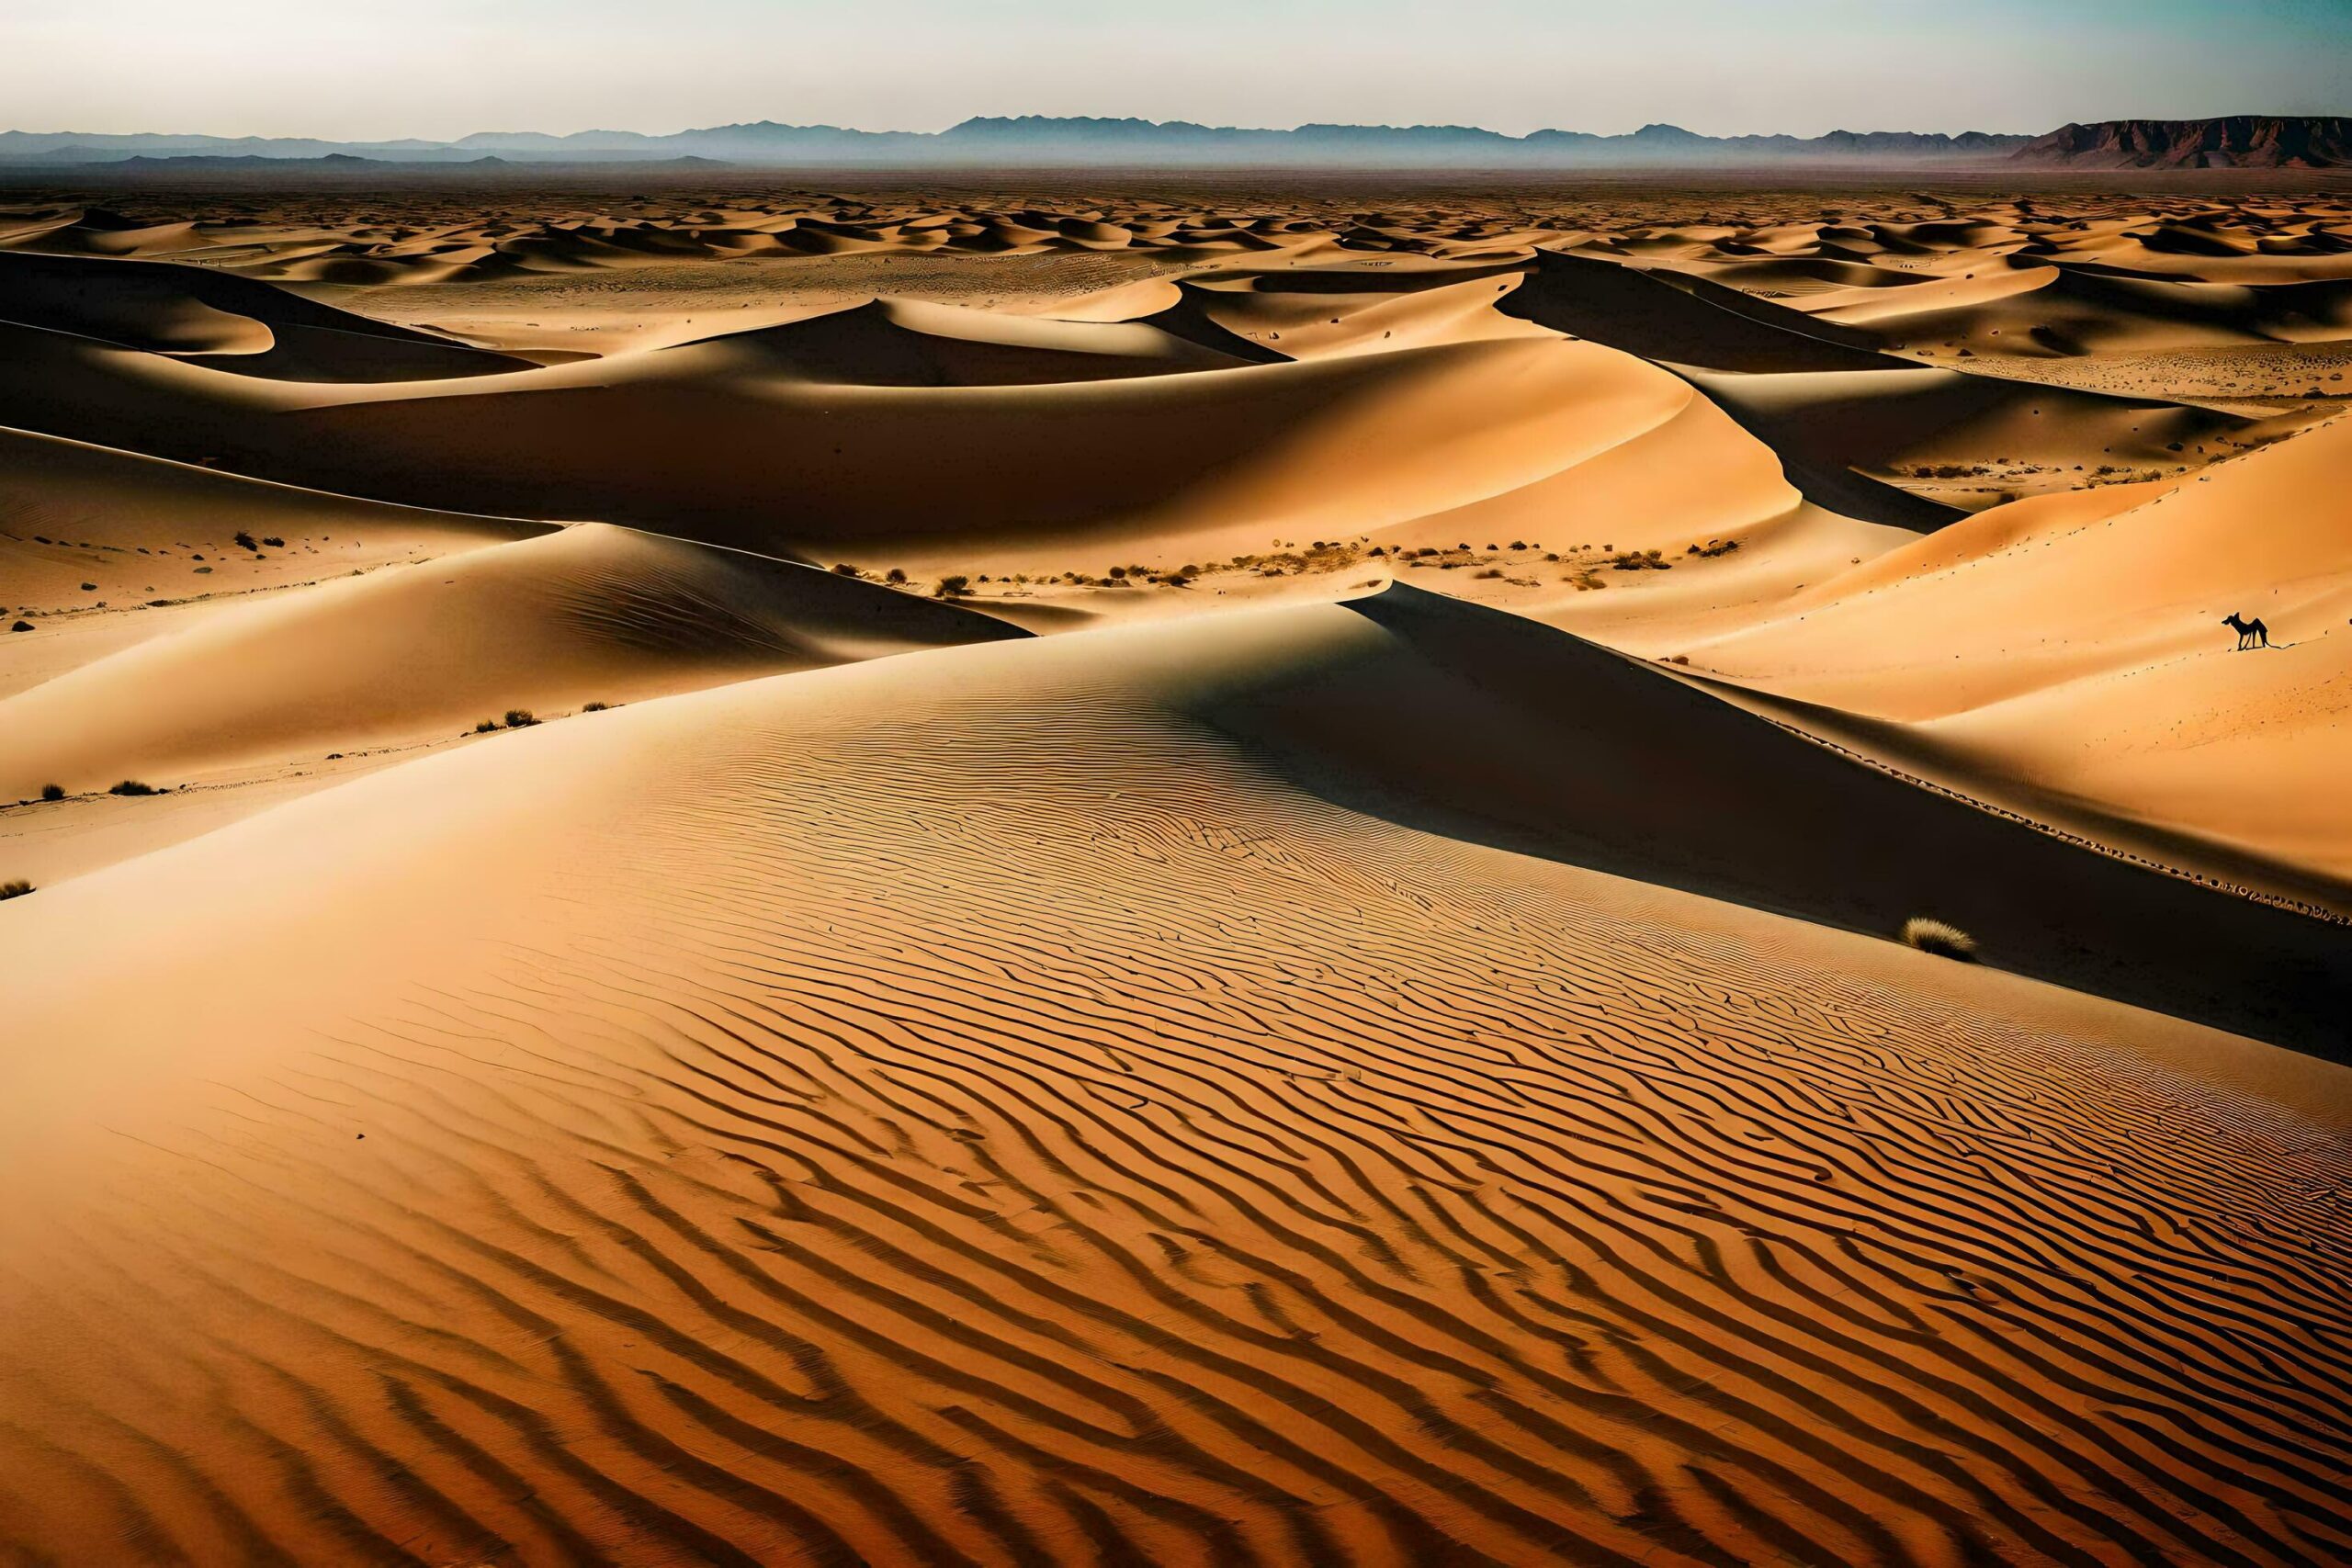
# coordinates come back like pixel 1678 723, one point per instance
pixel 359 69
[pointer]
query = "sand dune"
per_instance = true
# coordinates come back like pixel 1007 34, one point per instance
pixel 1304 1060
pixel 2080 651
pixel 910 343
pixel 1291 1185
pixel 728 440
pixel 587 614
pixel 1979 439
pixel 100 547
pixel 220 319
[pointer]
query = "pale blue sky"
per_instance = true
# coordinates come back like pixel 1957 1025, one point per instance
pixel 441 68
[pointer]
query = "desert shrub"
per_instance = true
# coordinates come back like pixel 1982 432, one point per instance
pixel 842 569
pixel 133 787
pixel 1937 937
pixel 486 726
pixel 953 586
pixel 242 540
pixel 52 792
pixel 1490 572
pixel 89 588
pixel 519 718
pixel 896 574
pixel 13 889
pixel 595 707
pixel 22 626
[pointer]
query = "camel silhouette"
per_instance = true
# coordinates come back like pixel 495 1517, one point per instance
pixel 2250 633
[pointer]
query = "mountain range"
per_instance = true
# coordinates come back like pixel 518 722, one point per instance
pixel 2235 141
pixel 1043 140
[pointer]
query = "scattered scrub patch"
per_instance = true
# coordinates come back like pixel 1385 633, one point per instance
pixel 1937 937
pixel 52 792
pixel 242 540
pixel 842 569
pixel 1640 560
pixel 273 541
pixel 133 787
pixel 1713 548
pixel 955 587
pixel 519 718
pixel 13 890
pixel 595 707
pixel 487 727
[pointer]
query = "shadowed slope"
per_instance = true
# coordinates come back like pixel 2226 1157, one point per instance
pixel 628 1173
pixel 1682 321
pixel 219 319
pixel 1485 725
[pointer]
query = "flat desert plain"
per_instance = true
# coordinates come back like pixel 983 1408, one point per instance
pixel 1175 870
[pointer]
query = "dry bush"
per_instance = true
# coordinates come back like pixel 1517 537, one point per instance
pixel 1943 940
pixel 52 792
pixel 13 890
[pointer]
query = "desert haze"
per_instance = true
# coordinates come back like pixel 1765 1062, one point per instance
pixel 1225 866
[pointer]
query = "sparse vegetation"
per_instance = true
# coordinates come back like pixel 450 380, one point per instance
pixel 13 890
pixel 519 718
pixel 1937 937
pixel 595 707
pixel 242 540
pixel 954 586
pixel 133 787
pixel 52 792
pixel 273 541
pixel 895 575
pixel 487 727
pixel 22 626
pixel 842 569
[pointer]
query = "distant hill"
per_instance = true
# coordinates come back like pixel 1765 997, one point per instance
pixel 2233 141
pixel 1052 141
